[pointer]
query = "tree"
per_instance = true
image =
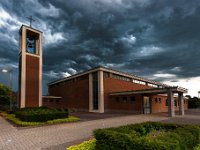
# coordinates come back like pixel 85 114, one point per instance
pixel 4 95
pixel 193 102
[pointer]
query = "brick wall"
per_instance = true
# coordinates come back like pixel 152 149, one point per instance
pixel 74 93
pixel 52 102
pixel 116 85
pixel 32 81
pixel 158 104
pixel 125 104
pixel 113 103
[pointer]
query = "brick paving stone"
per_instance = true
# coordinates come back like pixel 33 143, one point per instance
pixel 61 135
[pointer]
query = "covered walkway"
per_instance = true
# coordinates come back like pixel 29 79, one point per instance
pixel 170 91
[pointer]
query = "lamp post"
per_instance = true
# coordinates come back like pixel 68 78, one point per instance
pixel 10 71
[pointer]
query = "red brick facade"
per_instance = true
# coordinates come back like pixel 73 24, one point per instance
pixel 32 81
pixel 159 104
pixel 75 94
pixel 116 85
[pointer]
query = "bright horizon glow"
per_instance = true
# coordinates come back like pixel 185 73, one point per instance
pixel 192 84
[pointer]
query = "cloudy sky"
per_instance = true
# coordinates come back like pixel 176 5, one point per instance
pixel 159 40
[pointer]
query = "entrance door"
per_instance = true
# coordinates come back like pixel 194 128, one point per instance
pixel 146 105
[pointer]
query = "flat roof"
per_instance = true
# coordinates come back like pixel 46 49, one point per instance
pixel 102 68
pixel 150 91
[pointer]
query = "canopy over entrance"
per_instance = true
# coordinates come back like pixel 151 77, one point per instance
pixel 168 90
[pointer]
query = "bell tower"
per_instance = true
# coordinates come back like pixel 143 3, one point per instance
pixel 30 67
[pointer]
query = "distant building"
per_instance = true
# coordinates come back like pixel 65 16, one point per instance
pixel 102 90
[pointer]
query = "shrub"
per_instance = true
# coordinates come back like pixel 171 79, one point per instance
pixel 197 147
pixel 148 136
pixel 87 145
pixel 40 114
pixel 18 122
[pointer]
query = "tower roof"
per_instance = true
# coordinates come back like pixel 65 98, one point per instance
pixel 28 27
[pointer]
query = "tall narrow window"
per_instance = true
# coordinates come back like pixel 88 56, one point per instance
pixel 166 102
pixel 95 91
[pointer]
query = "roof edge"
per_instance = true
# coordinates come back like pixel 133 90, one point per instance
pixel 29 28
pixel 102 68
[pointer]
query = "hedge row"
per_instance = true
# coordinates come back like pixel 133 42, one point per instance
pixel 40 114
pixel 148 136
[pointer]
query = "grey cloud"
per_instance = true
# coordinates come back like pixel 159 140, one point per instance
pixel 96 33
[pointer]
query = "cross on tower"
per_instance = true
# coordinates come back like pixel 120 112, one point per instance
pixel 31 20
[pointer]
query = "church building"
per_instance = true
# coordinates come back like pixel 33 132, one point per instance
pixel 97 90
pixel 103 90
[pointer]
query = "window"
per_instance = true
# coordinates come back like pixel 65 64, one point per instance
pixel 45 100
pixel 57 101
pixel 51 100
pixel 156 100
pixel 124 99
pixel 95 91
pixel 166 102
pixel 138 82
pixel 117 99
pixel 152 85
pixel 119 77
pixel 132 98
pixel 106 74
pixel 159 100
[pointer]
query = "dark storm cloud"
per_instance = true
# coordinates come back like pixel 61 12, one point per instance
pixel 138 36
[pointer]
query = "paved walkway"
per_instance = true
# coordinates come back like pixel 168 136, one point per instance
pixel 59 136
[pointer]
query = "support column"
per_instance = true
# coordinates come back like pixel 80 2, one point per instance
pixel 40 71
pixel 101 92
pixel 181 104
pixel 90 93
pixel 171 112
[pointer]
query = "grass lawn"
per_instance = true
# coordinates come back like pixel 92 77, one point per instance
pixel 18 122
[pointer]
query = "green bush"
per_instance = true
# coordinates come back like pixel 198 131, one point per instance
pixel 40 114
pixel 197 147
pixel 87 145
pixel 148 136
pixel 4 98
pixel 18 122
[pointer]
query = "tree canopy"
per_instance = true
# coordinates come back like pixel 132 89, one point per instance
pixel 4 95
